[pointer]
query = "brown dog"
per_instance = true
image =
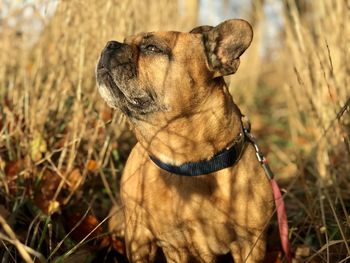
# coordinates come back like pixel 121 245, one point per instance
pixel 170 86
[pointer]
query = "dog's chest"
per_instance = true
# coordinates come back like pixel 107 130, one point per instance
pixel 198 214
pixel 199 235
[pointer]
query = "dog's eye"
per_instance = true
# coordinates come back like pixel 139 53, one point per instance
pixel 151 48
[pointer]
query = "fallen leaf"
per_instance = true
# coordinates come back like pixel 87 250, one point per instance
pixel 92 165
pixel 49 184
pixel 107 113
pixel 302 251
pixel 46 192
pixel 84 228
pixel 37 146
pixel 105 242
pixel 61 142
pixel 119 246
pixel 41 202
pixel 53 207
pixel 12 169
pixel 74 178
pixel 273 257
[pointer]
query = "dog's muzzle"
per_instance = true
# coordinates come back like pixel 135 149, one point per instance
pixel 118 84
pixel 114 55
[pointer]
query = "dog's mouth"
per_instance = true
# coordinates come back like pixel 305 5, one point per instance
pixel 124 93
pixel 105 77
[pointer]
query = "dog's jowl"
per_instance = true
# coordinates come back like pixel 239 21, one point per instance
pixel 192 187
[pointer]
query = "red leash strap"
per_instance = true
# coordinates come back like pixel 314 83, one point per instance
pixel 281 219
pixel 280 208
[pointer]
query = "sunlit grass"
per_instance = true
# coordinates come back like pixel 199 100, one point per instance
pixel 62 150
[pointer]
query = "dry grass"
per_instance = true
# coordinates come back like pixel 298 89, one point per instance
pixel 62 149
pixel 318 99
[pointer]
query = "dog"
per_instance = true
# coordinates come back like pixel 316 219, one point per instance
pixel 192 187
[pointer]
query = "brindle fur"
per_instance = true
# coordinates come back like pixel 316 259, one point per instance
pixel 171 87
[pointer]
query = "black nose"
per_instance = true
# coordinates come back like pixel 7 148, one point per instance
pixel 113 45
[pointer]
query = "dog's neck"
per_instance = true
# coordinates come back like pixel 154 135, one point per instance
pixel 212 127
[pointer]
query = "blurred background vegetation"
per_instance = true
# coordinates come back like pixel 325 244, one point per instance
pixel 62 149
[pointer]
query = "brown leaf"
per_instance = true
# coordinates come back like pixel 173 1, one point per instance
pixel 92 165
pixel 74 178
pixel 49 184
pixel 105 242
pixel 61 142
pixel 12 169
pixel 47 191
pixel 107 114
pixel 118 245
pixel 273 257
pixel 302 141
pixel 41 202
pixel 84 228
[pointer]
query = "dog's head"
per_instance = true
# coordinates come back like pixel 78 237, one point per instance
pixel 170 72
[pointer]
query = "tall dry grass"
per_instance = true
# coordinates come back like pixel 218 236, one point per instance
pixel 317 98
pixel 62 149
pixel 298 99
pixel 306 90
pixel 52 84
pixel 58 138
pixel 300 109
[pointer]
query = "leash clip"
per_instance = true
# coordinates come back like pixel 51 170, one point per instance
pixel 281 210
pixel 259 155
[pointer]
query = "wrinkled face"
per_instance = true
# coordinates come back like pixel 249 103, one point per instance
pixel 152 72
pixel 170 72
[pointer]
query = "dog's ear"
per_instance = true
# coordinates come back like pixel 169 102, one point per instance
pixel 225 43
pixel 201 29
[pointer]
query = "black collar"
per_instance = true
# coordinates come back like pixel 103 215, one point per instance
pixel 223 159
